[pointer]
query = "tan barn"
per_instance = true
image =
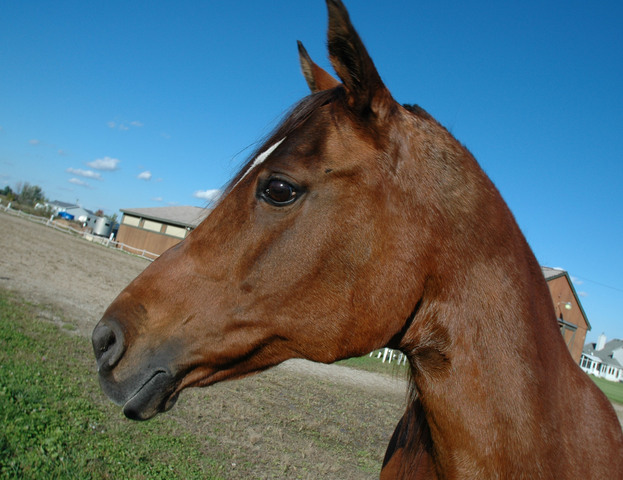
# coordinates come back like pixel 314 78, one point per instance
pixel 154 230
pixel 571 317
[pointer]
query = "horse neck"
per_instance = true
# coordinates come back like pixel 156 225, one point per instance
pixel 483 346
pixel 483 365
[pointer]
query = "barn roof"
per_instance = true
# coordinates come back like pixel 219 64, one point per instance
pixel 184 216
pixel 58 203
pixel 550 273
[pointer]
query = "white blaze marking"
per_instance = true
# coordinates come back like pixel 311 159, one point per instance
pixel 261 158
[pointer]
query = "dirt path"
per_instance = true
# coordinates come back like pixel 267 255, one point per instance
pixel 53 268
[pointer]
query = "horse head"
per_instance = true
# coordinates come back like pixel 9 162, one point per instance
pixel 303 257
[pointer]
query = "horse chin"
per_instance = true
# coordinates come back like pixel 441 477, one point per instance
pixel 157 394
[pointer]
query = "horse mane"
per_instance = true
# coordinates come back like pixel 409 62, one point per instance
pixel 297 116
pixel 292 120
pixel 417 110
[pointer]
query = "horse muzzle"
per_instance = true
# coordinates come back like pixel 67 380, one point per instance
pixel 147 391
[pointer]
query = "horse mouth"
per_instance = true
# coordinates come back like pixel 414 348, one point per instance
pixel 156 395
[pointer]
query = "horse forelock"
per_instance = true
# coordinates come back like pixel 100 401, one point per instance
pixel 294 119
pixel 261 158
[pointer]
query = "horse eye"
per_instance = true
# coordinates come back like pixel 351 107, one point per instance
pixel 279 192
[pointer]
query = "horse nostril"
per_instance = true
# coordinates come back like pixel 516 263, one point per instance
pixel 108 344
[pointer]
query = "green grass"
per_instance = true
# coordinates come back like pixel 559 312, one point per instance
pixel 55 423
pixel 613 390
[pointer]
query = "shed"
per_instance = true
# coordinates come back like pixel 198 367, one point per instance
pixel 157 229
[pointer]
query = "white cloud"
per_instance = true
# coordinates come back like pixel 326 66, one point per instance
pixel 146 175
pixel 34 141
pixel 106 163
pixel 157 199
pixel 84 173
pixel 80 183
pixel 124 125
pixel 582 294
pixel 576 280
pixel 209 195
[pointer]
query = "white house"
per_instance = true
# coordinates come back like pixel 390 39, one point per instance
pixel 603 359
pixel 80 214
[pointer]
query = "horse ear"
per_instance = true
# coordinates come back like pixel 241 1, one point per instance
pixel 317 78
pixel 365 90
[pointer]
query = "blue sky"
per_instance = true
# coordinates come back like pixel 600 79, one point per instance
pixel 139 104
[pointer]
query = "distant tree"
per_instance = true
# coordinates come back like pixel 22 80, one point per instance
pixel 112 218
pixel 7 192
pixel 28 194
pixel 99 213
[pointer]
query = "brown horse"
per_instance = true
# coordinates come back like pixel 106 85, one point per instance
pixel 361 224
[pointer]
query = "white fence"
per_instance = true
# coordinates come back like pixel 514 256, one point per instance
pixel 107 242
pixel 389 355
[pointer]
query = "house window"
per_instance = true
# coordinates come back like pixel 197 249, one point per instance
pixel 152 226
pixel 179 232
pixel 131 220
